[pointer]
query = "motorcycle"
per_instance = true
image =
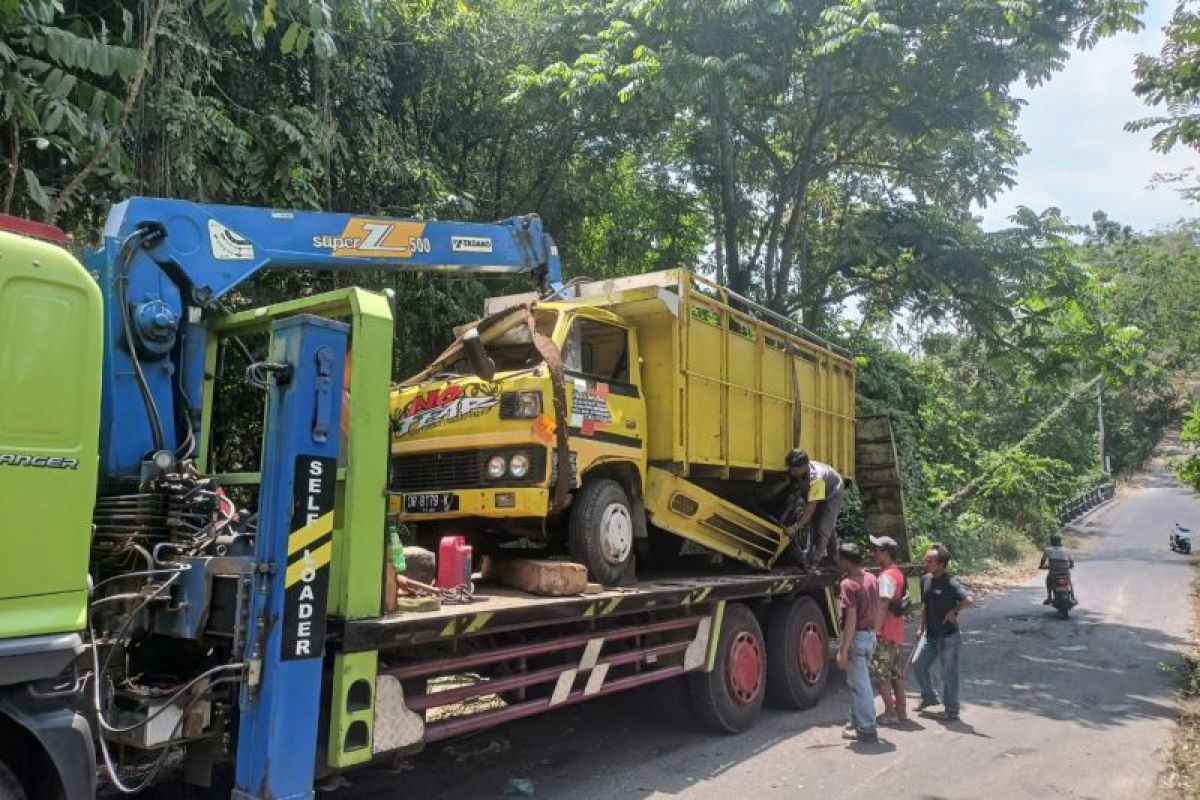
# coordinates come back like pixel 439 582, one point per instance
pixel 1181 540
pixel 1062 595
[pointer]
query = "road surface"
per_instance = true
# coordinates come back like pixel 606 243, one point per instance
pixel 1075 709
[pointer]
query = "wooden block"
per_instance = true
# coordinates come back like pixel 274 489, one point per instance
pixel 537 576
pixel 417 604
pixel 593 588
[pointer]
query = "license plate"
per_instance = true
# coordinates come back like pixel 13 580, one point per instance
pixel 430 503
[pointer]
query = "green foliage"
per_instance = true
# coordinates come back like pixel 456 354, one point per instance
pixel 1171 80
pixel 820 157
pixel 1189 470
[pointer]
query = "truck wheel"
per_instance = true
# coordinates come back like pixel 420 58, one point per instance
pixel 10 787
pixel 797 654
pixel 728 699
pixel 601 531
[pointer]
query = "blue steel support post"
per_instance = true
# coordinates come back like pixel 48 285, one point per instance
pixel 280 700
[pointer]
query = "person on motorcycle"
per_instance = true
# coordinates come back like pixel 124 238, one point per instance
pixel 1181 539
pixel 1058 560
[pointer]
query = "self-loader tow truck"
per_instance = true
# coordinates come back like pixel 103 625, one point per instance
pixel 165 617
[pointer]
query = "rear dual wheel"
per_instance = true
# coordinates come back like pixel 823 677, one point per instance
pixel 797 654
pixel 729 699
pixel 788 667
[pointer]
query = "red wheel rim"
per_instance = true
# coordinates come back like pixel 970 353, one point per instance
pixel 812 653
pixel 744 668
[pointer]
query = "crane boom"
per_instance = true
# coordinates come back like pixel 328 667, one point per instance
pixel 162 262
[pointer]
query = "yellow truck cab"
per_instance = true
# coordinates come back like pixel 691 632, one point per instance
pixel 676 403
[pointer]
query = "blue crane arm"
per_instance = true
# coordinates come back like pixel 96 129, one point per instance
pixel 162 262
pixel 218 247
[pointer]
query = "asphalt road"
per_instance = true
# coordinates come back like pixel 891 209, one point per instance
pixel 1074 709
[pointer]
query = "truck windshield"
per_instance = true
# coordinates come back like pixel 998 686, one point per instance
pixel 510 343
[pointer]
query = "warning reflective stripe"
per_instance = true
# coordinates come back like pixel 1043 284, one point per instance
pixel 310 562
pixel 480 620
pixel 300 539
pixel 595 680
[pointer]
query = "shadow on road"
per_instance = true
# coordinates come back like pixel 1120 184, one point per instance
pixel 1079 670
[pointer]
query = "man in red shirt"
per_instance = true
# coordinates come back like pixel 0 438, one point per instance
pixel 887 665
pixel 858 597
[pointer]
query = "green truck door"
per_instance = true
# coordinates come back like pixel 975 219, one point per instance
pixel 51 332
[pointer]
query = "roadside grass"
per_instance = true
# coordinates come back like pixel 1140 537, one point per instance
pixel 1181 781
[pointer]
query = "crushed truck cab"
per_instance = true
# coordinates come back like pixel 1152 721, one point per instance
pixel 679 401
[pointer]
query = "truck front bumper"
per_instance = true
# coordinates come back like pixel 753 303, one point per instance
pixel 491 503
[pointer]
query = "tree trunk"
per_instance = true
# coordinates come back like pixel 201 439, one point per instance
pixel 727 179
pixel 14 167
pixel 718 251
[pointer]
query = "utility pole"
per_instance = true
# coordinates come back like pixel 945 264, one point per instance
pixel 1100 425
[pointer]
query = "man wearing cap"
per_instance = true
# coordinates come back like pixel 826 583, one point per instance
pixel 887 665
pixel 820 486
pixel 858 598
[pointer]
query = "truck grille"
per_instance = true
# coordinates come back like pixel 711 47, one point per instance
pixel 461 469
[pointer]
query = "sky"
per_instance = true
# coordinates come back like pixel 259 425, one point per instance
pixel 1081 159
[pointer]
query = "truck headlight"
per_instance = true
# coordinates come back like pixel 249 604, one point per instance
pixel 520 405
pixel 496 467
pixel 518 465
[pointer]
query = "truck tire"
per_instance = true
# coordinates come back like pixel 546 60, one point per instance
pixel 10 787
pixel 797 654
pixel 729 699
pixel 600 534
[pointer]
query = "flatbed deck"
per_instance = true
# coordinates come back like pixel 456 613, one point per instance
pixel 497 609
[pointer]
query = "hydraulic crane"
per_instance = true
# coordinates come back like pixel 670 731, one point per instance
pixel 187 618
pixel 162 263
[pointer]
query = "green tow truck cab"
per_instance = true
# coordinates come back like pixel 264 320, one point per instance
pixel 51 336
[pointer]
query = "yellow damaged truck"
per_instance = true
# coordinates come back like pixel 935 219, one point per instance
pixel 638 413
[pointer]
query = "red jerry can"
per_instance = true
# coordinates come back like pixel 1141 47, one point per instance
pixel 454 562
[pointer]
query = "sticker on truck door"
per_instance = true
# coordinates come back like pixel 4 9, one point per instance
pixel 310 548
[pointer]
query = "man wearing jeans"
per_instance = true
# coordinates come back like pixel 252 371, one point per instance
pixel 858 596
pixel 938 638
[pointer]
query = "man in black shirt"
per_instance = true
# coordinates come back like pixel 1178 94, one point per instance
pixel 938 638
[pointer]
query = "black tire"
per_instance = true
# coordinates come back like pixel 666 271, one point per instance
pixel 607 557
pixel 10 787
pixel 797 654
pixel 793 554
pixel 1064 611
pixel 729 699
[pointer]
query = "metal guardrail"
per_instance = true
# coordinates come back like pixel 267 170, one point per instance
pixel 1082 503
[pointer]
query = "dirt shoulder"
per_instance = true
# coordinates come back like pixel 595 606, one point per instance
pixel 1181 779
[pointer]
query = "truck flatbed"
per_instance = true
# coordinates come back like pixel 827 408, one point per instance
pixel 497 609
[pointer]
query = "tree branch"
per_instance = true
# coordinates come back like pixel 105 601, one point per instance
pixel 14 167
pixel 114 138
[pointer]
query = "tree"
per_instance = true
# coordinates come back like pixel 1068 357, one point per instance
pixel 800 116
pixel 1171 80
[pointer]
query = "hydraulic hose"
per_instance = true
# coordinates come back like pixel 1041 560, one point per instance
pixel 121 285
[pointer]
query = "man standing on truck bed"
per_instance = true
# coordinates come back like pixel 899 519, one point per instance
pixel 820 486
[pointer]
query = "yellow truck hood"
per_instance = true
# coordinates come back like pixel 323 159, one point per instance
pixel 427 413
